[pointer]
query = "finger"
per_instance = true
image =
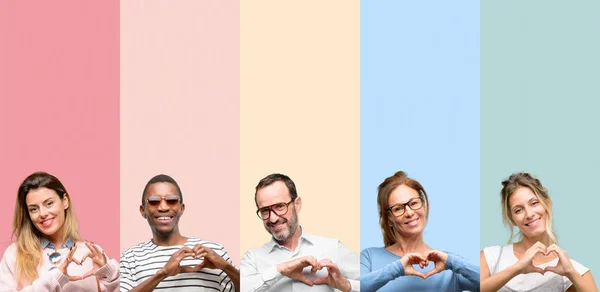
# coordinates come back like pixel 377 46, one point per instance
pixel 186 249
pixel 331 265
pixel 191 269
pixel 202 254
pixel 552 269
pixel 72 252
pixel 537 270
pixel 418 274
pixel 319 281
pixel 83 258
pixel 416 258
pixel 75 278
pixel 431 273
pixel 305 279
pixel 98 250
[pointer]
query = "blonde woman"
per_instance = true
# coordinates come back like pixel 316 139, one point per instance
pixel 535 262
pixel 49 254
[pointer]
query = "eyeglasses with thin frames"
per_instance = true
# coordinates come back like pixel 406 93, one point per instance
pixel 171 200
pixel 399 209
pixel 279 209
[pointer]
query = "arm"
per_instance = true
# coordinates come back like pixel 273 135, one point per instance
pixel 373 280
pixel 212 260
pixel 468 274
pixel 498 280
pixel 349 266
pixel 583 283
pixel 252 279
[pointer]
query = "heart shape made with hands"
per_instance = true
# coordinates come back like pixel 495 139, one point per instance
pixel 78 255
pixel 415 263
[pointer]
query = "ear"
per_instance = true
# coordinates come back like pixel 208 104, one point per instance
pixel 65 201
pixel 143 211
pixel 181 209
pixel 298 204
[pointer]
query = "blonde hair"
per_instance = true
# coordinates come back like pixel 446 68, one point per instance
pixel 510 186
pixel 384 191
pixel 27 236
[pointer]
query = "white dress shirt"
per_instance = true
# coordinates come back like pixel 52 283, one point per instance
pixel 259 272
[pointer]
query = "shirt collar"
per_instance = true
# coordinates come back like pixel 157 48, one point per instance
pixel 47 244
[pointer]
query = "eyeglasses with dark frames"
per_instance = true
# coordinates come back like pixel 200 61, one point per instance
pixel 399 209
pixel 171 200
pixel 279 209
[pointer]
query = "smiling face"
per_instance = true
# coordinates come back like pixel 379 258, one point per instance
pixel 47 210
pixel 527 212
pixel 283 226
pixel 163 217
pixel 412 222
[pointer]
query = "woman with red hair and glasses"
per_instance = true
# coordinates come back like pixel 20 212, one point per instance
pixel 403 211
pixel 48 241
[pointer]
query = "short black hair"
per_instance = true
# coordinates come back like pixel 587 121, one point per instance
pixel 162 178
pixel 275 177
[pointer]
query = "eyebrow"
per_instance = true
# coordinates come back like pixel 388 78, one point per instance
pixel 404 202
pixel 34 205
pixel 532 198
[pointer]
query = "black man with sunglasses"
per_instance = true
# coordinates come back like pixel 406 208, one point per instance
pixel 171 261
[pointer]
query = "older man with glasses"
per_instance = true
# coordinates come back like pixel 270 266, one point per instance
pixel 171 261
pixel 294 260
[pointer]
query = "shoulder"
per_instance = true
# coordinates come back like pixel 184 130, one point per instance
pixel 492 251
pixel 10 253
pixel 581 269
pixel 373 251
pixel 140 248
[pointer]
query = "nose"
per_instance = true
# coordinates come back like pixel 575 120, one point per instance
pixel 43 212
pixel 528 212
pixel 408 212
pixel 163 206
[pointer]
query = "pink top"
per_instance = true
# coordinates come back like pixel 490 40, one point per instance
pixel 54 280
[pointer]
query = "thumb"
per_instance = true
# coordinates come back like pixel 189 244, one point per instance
pixel 538 270
pixel 552 269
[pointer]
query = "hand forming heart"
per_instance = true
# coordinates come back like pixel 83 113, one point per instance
pixel 436 256
pixel 334 278
pixel 63 267
pixel 293 269
pixel 439 258
pixel 410 259
pixel 525 264
pixel 211 259
pixel 564 266
pixel 95 254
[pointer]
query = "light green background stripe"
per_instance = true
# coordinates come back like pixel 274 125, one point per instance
pixel 540 113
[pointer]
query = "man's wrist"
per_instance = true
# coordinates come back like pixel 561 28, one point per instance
pixel 345 286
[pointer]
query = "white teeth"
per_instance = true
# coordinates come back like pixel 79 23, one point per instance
pixel 164 218
pixel 532 222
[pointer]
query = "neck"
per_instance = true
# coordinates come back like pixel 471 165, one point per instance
pixel 173 238
pixel 408 244
pixel 528 242
pixel 292 241
pixel 57 239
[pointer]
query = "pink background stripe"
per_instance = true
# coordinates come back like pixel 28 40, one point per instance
pixel 59 108
pixel 180 90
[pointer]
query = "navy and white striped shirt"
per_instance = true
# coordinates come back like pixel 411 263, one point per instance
pixel 142 261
